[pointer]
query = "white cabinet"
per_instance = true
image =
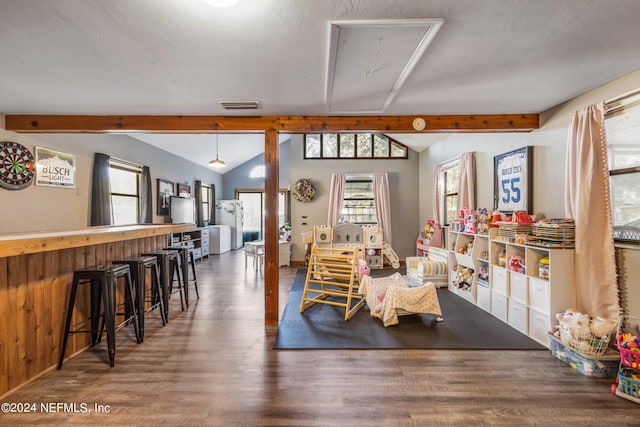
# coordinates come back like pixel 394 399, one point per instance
pixel 525 294
pixel 284 253
pixel 204 242
pixel 219 239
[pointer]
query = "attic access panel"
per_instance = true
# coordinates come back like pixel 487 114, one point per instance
pixel 370 60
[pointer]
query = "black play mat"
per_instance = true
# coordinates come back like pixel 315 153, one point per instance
pixel 466 326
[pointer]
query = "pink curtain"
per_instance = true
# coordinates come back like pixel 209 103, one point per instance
pixel 467 184
pixel 383 203
pixel 336 194
pixel 587 202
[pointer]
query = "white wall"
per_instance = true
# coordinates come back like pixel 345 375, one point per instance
pixel 47 208
pixel 403 183
pixel 549 152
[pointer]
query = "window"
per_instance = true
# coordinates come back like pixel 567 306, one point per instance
pixel 449 179
pixel 622 126
pixel 258 172
pixel 124 178
pixel 254 211
pixel 358 203
pixel 353 146
pixel 206 202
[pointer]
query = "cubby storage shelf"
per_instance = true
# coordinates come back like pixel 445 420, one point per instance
pixel 197 238
pixel 523 299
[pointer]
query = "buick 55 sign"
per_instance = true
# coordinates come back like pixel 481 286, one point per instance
pixel 513 186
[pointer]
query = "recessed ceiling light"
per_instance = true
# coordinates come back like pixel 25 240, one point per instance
pixel 223 3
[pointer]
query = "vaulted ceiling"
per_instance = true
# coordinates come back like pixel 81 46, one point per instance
pixel 309 57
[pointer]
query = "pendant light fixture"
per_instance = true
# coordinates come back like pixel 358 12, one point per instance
pixel 217 163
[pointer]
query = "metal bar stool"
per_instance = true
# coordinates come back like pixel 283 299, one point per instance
pixel 138 267
pixel 168 261
pixel 102 281
pixel 185 259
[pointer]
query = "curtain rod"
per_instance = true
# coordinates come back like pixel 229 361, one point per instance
pixel 623 96
pixel 127 162
pixel 617 104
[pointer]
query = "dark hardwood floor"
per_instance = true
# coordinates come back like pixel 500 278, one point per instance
pixel 213 365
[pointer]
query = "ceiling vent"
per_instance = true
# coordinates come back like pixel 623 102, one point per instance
pixel 240 105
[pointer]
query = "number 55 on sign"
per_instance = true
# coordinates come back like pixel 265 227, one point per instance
pixel 512 189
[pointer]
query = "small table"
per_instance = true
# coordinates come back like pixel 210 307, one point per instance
pixel 257 246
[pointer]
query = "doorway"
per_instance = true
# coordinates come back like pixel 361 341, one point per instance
pixel 253 203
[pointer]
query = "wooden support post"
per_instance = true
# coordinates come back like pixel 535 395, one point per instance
pixel 272 238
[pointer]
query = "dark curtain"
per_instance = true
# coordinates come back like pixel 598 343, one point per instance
pixel 199 216
pixel 145 209
pixel 212 215
pixel 100 191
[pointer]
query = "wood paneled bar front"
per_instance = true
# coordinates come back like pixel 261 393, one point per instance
pixel 36 270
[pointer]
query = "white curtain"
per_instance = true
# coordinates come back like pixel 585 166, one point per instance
pixel 437 208
pixel 467 183
pixel 336 194
pixel 587 202
pixel 383 203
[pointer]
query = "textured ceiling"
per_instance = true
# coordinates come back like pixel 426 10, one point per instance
pixel 184 57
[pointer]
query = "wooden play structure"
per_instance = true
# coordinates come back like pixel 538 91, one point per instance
pixel 333 278
pixel 368 241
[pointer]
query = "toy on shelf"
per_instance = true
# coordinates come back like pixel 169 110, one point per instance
pixel 483 274
pixel 516 264
pixel 470 221
pixel 502 258
pixel 463 278
pixel 465 249
pixel 543 268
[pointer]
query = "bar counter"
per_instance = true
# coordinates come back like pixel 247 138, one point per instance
pixel 36 270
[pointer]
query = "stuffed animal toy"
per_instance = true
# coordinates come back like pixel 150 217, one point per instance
pixel 463 278
pixel 601 327
pixel 363 267
pixel 579 326
pixel 574 328
pixel 516 264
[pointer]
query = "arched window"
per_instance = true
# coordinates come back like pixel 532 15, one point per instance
pixel 257 172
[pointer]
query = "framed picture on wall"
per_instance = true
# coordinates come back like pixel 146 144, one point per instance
pixel 513 181
pixel 165 191
pixel 184 190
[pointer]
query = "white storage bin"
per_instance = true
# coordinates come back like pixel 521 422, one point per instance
pixel 539 294
pixel 499 280
pixel 499 306
pixel 483 298
pixel 468 295
pixel 518 316
pixel 518 287
pixel 539 326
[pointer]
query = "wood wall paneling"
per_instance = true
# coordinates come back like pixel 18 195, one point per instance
pixel 4 324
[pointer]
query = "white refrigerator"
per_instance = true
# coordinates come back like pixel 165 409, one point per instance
pixel 230 212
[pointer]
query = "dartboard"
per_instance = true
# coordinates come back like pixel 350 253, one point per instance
pixel 16 166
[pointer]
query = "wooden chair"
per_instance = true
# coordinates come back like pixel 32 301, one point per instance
pixel 333 278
